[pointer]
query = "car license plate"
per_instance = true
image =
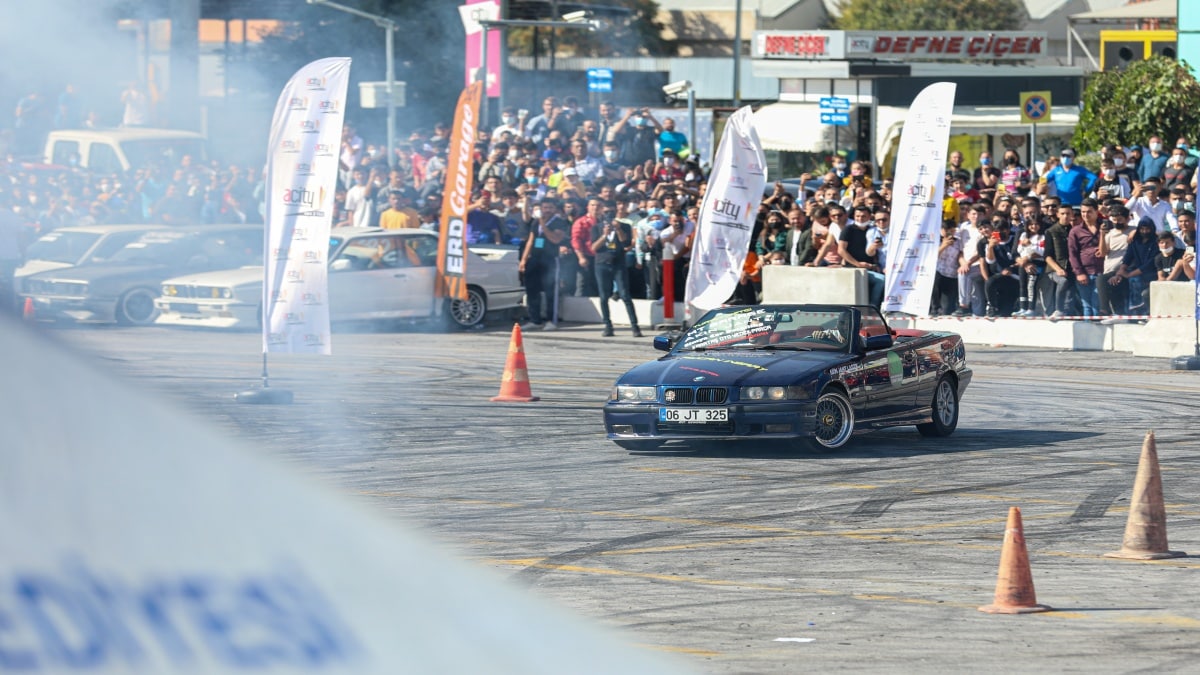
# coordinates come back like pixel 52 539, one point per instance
pixel 693 415
pixel 185 307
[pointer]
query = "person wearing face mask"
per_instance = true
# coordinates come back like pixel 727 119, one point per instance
pixel 1177 171
pixel 1110 185
pixel 548 240
pixel 611 167
pixel 669 169
pixel 853 245
pixel 1146 204
pixel 1167 261
pixel 1015 178
pixel 1138 266
pixel 1112 290
pixel 1071 181
pixel 637 132
pixel 986 176
pixel 838 167
pixel 1154 160
pixel 509 123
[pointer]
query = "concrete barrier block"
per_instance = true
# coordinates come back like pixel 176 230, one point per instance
pixel 1172 298
pixel 1166 337
pixel 587 310
pixel 1074 335
pixel 817 285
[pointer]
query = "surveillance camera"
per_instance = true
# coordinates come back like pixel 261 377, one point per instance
pixel 677 88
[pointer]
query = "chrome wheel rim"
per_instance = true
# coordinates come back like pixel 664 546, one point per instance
pixel 946 406
pixel 139 307
pixel 835 421
pixel 468 312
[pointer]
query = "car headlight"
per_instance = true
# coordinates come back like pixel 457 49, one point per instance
pixel 772 393
pixel 628 394
pixel 226 293
pixel 170 290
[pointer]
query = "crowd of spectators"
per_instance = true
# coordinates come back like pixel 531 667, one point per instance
pixel 1069 243
pixel 597 201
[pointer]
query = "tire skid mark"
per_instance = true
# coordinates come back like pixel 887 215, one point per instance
pixel 1096 504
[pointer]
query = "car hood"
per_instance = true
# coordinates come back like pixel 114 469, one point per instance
pixel 732 368
pixel 107 272
pixel 233 277
pixel 38 266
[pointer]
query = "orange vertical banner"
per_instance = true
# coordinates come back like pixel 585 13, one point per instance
pixel 456 197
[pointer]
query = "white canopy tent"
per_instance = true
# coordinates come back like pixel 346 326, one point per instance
pixel 791 127
pixel 889 121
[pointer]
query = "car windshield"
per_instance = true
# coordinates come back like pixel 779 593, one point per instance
pixel 768 328
pixel 142 153
pixel 62 246
pixel 156 248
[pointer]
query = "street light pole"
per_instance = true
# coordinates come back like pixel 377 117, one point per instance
pixel 389 42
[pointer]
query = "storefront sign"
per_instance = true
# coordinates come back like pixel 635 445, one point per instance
pixel 787 44
pixel 907 45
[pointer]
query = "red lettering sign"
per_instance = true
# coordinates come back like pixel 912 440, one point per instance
pixel 794 45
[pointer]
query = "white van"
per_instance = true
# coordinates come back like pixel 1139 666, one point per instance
pixel 119 150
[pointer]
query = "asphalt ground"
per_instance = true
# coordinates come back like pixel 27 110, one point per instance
pixel 759 559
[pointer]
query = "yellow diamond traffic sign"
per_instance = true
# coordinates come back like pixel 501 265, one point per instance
pixel 1035 107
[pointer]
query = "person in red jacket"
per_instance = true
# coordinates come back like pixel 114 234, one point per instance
pixel 581 241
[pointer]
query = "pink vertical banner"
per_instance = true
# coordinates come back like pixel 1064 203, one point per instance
pixel 472 13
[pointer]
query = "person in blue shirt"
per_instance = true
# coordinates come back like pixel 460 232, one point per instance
pixel 669 139
pixel 1071 181
pixel 1153 161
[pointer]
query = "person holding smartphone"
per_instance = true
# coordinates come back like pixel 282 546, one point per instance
pixel 610 240
pixel 1002 286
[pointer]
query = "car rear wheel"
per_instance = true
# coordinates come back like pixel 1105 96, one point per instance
pixel 945 410
pixel 136 308
pixel 470 312
pixel 638 445
pixel 835 421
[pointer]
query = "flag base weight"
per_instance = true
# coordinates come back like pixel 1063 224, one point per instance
pixel 265 396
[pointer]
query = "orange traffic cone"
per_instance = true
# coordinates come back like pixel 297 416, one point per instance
pixel 1014 584
pixel 1146 528
pixel 514 387
pixel 28 312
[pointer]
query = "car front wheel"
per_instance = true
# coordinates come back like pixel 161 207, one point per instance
pixel 945 410
pixel 835 421
pixel 136 308
pixel 469 312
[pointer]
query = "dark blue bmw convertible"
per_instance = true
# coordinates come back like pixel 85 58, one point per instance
pixel 813 372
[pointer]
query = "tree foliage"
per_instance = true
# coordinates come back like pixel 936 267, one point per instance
pixel 942 15
pixel 639 34
pixel 1156 97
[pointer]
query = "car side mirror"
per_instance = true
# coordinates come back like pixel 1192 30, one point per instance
pixel 339 265
pixel 662 343
pixel 873 342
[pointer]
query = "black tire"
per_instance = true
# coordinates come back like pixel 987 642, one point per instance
pixel 638 445
pixel 136 307
pixel 467 313
pixel 835 421
pixel 945 410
